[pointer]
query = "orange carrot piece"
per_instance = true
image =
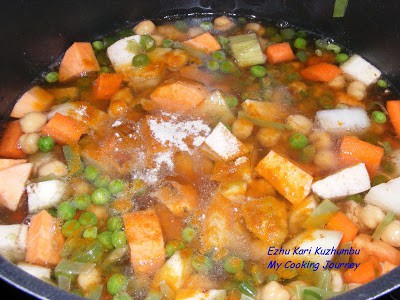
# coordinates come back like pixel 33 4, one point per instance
pixel 327 57
pixel 363 274
pixel 44 241
pixel 340 222
pixel 321 72
pixel 204 42
pixel 35 99
pixel 106 85
pixel 393 107
pixel 64 130
pixel 9 143
pixel 78 59
pixel 353 150
pixel 146 241
pixel 280 52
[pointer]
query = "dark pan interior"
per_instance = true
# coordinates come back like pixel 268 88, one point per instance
pixel 34 34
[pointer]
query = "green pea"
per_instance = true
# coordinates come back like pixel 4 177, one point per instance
pixel 301 33
pixel 90 232
pixel 233 264
pixel 173 246
pixel 81 201
pixel 90 173
pixel 105 239
pixel 382 83
pixel 302 56
pixel 206 25
pixel 356 198
pixel 341 58
pixel 115 223
pixel 101 196
pixel 247 288
pixel 298 141
pixel 116 186
pixel 218 56
pixel 69 227
pixel 51 77
pixel 116 283
pixel 227 67
pixel 140 60
pixel 258 71
pixel 147 42
pixel 188 233
pixel 287 33
pixel 118 238
pixel 378 179
pixel 46 143
pixel 333 47
pixel 98 45
pixel 321 44
pixel 231 101
pixel 271 31
pixel 223 41
pixel 167 43
pixel 379 117
pixel 300 43
pixel 202 263
pixel 66 210
pixel 122 297
pixel 101 181
pixel 212 65
pixel 88 218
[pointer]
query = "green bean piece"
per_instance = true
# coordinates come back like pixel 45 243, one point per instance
pixel 105 239
pixel 91 173
pixel 212 65
pixel 206 25
pixel 379 117
pixel 202 263
pixel 101 196
pixel 147 42
pixel 140 60
pixel 51 77
pixel 66 210
pixel 233 264
pixel 172 246
pixel 116 283
pixel 300 43
pixel 98 45
pixel 115 223
pixel 118 238
pixel 298 141
pixel 69 227
pixel 81 201
pixel 46 143
pixel 88 218
pixel 258 71
pixel 90 232
pixel 167 43
pixel 341 58
pixel 188 233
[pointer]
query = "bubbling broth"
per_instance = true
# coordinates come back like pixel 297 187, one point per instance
pixel 204 158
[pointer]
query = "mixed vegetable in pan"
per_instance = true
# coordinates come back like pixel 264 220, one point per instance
pixel 204 159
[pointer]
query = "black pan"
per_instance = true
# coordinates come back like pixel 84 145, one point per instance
pixel 34 34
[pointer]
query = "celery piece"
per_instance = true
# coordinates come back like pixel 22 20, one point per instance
pixel 389 218
pixel 340 8
pixel 321 214
pixel 246 50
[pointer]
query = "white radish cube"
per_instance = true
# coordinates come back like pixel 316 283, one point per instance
pixel 386 196
pixel 192 294
pixel 121 52
pixel 224 144
pixel 37 271
pixel 45 194
pixel 13 240
pixel 359 69
pixel 343 120
pixel 349 181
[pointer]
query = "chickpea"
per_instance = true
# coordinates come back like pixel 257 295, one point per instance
pixel 194 31
pixel 325 159
pixel 391 234
pixel 352 210
pixel 223 23
pixel 357 89
pixel 81 186
pixel 33 122
pixel 336 283
pixel 371 216
pixel 256 28
pixel 28 142
pixel 297 86
pixel 158 38
pixel 89 279
pixel 145 27
pixel 273 290
pixel 101 213
pixel 55 167
pixel 242 128
pixel 321 140
pixel 268 137
pixel 338 82
pixel 299 123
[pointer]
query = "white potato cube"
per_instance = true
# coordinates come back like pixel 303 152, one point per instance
pixel 37 271
pixel 121 52
pixel 13 241
pixel 192 294
pixel 224 144
pixel 45 194
pixel 343 120
pixel 386 196
pixel 359 69
pixel 349 181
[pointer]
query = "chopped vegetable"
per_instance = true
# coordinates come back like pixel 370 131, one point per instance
pixel 393 107
pixel 9 147
pixel 279 53
pixel 321 72
pixel 35 99
pixel 339 9
pixel 340 222
pixel 364 273
pixel 106 85
pixel 246 50
pixel 64 130
pixel 204 42
pixel 383 224
pixel 320 216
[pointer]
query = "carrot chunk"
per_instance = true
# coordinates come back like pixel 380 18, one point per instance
pixel 9 143
pixel 363 274
pixel 393 107
pixel 64 130
pixel 35 99
pixel 321 72
pixel 204 42
pixel 340 222
pixel 78 59
pixel 280 52
pixel 146 241
pixel 106 85
pixel 353 151
pixel 45 240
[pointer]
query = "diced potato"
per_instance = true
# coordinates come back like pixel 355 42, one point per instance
pixel 37 271
pixel 358 68
pixel 215 108
pixel 224 144
pixel 45 194
pixel 35 99
pixel 242 128
pixel 385 196
pixel 267 111
pixel 13 241
pixel 122 52
pixel 287 178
